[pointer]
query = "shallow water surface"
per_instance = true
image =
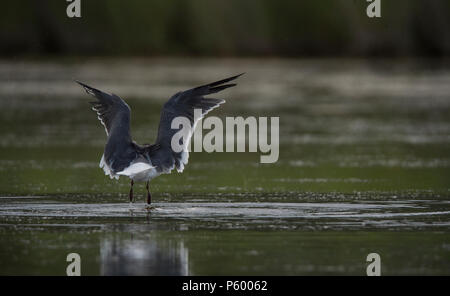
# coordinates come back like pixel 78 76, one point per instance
pixel 364 167
pixel 210 237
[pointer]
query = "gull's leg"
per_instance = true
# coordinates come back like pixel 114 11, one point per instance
pixel 149 196
pixel 131 190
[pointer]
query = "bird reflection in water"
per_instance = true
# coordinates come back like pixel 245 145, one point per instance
pixel 146 256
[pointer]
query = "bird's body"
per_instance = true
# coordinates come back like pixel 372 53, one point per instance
pixel 140 169
pixel 141 163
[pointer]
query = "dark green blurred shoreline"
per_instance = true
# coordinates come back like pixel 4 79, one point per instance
pixel 226 29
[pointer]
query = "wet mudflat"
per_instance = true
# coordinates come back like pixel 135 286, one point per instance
pixel 364 167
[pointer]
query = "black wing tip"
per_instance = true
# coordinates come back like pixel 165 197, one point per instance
pixel 89 89
pixel 85 86
pixel 220 82
pixel 234 77
pixel 221 87
pixel 81 83
pixel 226 85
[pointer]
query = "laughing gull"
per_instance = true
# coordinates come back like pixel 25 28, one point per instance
pixel 123 157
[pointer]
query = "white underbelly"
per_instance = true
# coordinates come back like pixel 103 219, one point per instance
pixel 140 172
pixel 144 176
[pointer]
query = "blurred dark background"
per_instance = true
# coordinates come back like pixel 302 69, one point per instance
pixel 407 28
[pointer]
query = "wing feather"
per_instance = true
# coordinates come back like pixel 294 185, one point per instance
pixel 114 115
pixel 183 104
